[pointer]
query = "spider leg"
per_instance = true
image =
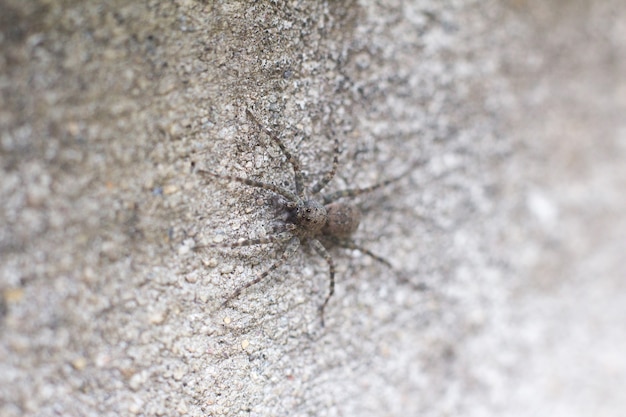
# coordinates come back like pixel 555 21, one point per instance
pixel 348 244
pixel 292 159
pixel 330 174
pixel 290 249
pixel 279 237
pixel 253 183
pixel 401 275
pixel 353 192
pixel 321 250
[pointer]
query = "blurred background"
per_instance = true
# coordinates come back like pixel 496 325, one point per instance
pixel 516 222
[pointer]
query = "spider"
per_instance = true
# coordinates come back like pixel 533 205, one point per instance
pixel 311 217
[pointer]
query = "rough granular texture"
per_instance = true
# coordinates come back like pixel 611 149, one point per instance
pixel 514 224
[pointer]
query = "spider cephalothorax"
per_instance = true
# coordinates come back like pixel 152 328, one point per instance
pixel 310 216
pixel 313 218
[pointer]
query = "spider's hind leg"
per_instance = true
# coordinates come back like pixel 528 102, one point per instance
pixel 401 275
pixel 321 250
pixel 349 244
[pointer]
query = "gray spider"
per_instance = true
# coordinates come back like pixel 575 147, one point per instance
pixel 308 219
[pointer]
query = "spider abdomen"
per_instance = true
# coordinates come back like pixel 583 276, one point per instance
pixel 342 219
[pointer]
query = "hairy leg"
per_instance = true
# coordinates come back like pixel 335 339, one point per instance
pixel 253 183
pixel 330 174
pixel 292 159
pixel 321 250
pixel 353 192
pixel 290 249
pixel 279 237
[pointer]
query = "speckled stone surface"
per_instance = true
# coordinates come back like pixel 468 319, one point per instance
pixel 515 223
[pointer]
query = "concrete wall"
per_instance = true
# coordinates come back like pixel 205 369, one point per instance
pixel 506 236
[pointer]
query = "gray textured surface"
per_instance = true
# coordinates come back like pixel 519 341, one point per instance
pixel 516 222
